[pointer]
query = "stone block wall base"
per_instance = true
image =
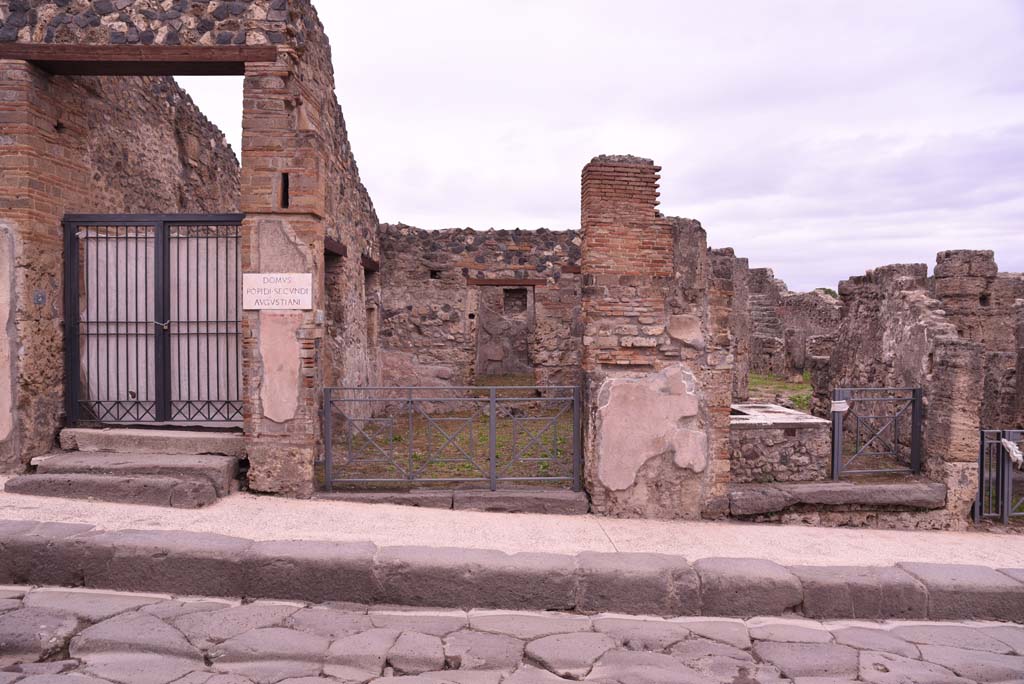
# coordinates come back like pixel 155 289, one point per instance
pixel 281 469
pixel 191 563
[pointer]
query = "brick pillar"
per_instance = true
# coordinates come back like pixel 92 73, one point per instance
pixel 283 233
pixel 645 335
pixel 43 174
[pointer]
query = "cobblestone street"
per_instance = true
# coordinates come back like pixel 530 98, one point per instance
pixel 50 636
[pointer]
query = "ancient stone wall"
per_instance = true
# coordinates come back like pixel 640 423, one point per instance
pixel 895 334
pixel 83 145
pixel 982 304
pixel 773 444
pixel 461 304
pixel 783 324
pixel 144 22
pixel 809 319
pixel 767 341
pixel 658 384
pixel 730 278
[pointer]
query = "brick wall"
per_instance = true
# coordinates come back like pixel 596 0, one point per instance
pixel 658 380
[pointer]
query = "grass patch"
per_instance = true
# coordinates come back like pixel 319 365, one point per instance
pixel 768 388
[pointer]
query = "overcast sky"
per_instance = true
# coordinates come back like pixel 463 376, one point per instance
pixel 818 137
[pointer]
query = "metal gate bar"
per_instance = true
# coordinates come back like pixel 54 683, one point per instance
pixel 367 423
pixel 128 301
pixel 1000 483
pixel 876 428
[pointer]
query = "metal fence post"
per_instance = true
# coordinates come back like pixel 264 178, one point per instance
pixel 915 430
pixel 493 439
pixel 577 446
pixel 328 414
pixel 412 434
pixel 1006 481
pixel 837 437
pixel 979 500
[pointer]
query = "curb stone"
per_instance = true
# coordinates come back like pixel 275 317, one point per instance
pixel 205 564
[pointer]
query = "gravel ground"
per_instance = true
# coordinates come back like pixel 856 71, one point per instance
pixel 52 636
pixel 265 518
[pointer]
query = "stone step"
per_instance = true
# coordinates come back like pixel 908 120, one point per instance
pixel 761 499
pixel 151 490
pixel 219 471
pixel 140 441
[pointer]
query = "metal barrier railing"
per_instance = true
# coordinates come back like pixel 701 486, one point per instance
pixel 878 428
pixel 1000 482
pixel 492 435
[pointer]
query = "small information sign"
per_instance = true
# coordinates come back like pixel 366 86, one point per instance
pixel 277 291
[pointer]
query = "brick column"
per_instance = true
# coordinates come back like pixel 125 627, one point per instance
pixel 645 335
pixel 283 199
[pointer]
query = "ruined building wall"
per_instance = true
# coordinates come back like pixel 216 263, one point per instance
pixel 767 346
pixel 809 319
pixel 895 334
pixel 82 145
pixel 983 305
pixel 731 276
pixel 788 327
pixel 657 386
pixel 461 304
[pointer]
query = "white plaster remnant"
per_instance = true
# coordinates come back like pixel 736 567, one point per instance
pixel 642 418
pixel 279 348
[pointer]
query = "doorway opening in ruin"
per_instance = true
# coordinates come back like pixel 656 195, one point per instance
pixel 153 319
pixel 503 332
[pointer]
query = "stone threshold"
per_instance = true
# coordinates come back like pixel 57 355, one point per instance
pixel 192 563
pixel 554 501
pixel 759 499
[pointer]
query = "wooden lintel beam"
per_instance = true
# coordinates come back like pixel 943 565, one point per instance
pixel 370 264
pixel 140 60
pixel 507 282
pixel 332 246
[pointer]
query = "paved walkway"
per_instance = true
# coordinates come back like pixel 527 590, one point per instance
pixel 51 636
pixel 267 518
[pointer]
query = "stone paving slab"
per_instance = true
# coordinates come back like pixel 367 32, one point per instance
pixel 264 643
pixel 191 563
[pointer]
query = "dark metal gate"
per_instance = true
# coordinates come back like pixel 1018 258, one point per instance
pixel 400 436
pixel 876 430
pixel 1000 481
pixel 152 316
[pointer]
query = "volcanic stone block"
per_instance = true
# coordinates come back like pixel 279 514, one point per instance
pixel 149 490
pixel 809 660
pixel 189 563
pixel 282 654
pixel 570 655
pixel 976 665
pixel 648 635
pixel 637 583
pixel 46 553
pixel 873 593
pixel 960 592
pixel 91 606
pixel 745 587
pixel 314 571
pixel 562 502
pixel 474 578
pixel 415 653
pixel 31 634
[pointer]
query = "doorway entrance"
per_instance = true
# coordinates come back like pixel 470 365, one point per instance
pixel 153 307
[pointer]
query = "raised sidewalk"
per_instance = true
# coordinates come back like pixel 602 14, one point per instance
pixel 196 563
